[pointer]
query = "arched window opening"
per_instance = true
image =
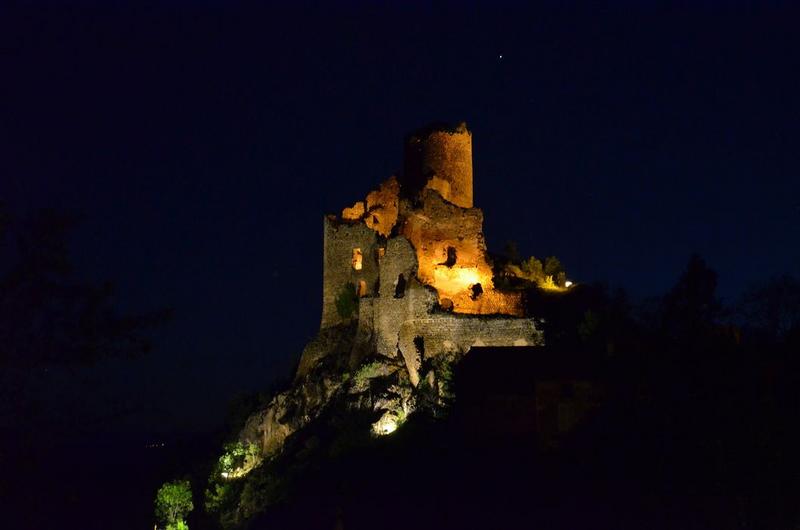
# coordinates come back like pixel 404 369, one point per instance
pixel 451 257
pixel 357 259
pixel 361 290
pixel 400 288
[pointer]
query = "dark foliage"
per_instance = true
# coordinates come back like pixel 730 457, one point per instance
pixel 697 431
pixel 771 311
pixel 54 326
pixel 50 317
pixel 347 301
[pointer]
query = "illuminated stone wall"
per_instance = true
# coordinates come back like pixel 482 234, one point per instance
pixel 447 333
pixel 438 226
pixel 414 251
pixel 380 210
pixel 393 308
pixel 341 239
pixel 396 320
pixel 383 207
pixel 440 158
pixel 437 218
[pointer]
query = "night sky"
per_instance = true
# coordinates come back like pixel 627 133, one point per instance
pixel 203 145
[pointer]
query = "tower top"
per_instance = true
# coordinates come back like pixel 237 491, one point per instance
pixel 439 157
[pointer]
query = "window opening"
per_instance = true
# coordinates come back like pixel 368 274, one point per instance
pixel 400 288
pixel 357 259
pixel 477 291
pixel 419 344
pixel 451 257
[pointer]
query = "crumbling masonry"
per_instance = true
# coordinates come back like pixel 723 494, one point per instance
pixel 414 255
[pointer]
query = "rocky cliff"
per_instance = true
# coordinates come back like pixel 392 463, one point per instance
pixel 408 290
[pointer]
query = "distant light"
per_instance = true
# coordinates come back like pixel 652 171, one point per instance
pixel 567 283
pixel 224 474
pixel 501 55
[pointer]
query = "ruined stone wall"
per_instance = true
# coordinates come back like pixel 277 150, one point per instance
pixel 382 207
pixel 449 333
pixel 364 343
pixel 451 253
pixel 399 313
pixel 380 210
pixel 398 303
pixel 340 241
pixel 421 233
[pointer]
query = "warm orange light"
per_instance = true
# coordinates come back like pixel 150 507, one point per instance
pixel 357 259
pixel 456 279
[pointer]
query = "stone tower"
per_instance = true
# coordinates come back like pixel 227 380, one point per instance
pixel 413 256
pixel 440 158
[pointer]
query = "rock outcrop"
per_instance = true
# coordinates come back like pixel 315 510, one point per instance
pixel 407 282
pixel 408 290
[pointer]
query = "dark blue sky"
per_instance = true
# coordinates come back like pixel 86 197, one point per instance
pixel 204 144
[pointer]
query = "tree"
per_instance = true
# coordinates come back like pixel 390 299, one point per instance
pixel 772 309
pixel 47 317
pixel 173 503
pixel 690 309
pixel 552 266
pixel 53 324
pixel 533 268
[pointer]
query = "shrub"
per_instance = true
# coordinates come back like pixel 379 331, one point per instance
pixel 532 267
pixel 347 301
pixel 552 266
pixel 238 459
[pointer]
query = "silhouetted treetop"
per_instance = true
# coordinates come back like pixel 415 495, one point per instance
pixel 772 309
pixel 691 307
pixel 47 316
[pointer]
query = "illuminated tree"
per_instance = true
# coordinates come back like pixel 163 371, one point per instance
pixel 173 504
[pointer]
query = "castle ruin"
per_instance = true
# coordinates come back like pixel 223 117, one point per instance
pixel 413 257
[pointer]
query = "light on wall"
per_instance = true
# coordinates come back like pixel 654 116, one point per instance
pixel 456 279
pixel 357 259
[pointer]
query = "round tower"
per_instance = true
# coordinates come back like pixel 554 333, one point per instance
pixel 440 157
